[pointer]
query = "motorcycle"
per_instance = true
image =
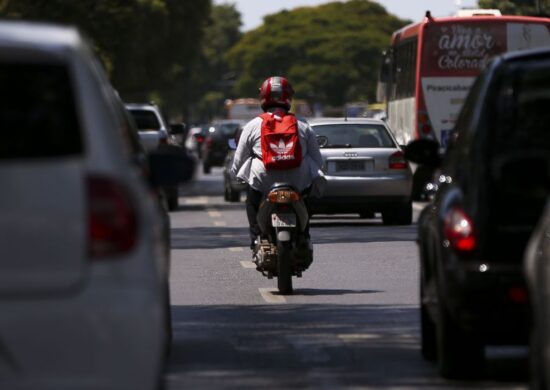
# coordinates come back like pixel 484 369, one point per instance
pixel 283 248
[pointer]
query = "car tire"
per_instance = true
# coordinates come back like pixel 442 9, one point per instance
pixel 398 215
pixel 537 376
pixel 234 196
pixel 428 329
pixel 172 200
pixel 460 355
pixel 206 168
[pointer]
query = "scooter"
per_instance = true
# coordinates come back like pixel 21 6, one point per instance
pixel 283 248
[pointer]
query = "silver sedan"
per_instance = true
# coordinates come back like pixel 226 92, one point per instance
pixel 365 170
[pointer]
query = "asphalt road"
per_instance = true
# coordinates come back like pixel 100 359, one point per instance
pixel 352 322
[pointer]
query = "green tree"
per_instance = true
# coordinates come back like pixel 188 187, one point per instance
pixel 213 80
pixel 331 53
pixel 147 46
pixel 512 7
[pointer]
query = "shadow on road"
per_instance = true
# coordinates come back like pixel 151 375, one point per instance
pixel 326 292
pixel 310 347
pixel 227 237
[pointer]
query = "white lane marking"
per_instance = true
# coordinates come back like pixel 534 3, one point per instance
pixel 214 214
pixel 358 336
pixel 220 223
pixel 248 264
pixel 267 295
pixel 419 206
pixel 195 200
pixel 236 250
pixel 228 235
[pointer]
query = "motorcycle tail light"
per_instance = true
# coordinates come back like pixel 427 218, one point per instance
pixel 397 161
pixel 283 196
pixel 459 231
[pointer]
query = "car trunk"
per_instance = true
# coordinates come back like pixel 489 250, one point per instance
pixel 43 226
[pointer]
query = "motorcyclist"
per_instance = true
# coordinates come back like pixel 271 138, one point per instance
pixel 275 97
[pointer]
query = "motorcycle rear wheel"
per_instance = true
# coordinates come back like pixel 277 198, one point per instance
pixel 284 267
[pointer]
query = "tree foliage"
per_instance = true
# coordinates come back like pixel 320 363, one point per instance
pixel 148 46
pixel 213 80
pixel 512 7
pixel 331 53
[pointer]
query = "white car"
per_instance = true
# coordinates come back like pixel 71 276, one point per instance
pixel 153 130
pixel 83 247
pixel 365 169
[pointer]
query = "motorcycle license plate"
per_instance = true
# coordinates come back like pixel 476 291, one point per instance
pixel 283 220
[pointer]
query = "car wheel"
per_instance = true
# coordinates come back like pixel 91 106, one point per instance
pixel 234 196
pixel 428 330
pixel 172 199
pixel 398 215
pixel 537 376
pixel 460 355
pixel 206 168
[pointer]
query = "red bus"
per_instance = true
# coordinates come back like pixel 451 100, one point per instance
pixel 431 65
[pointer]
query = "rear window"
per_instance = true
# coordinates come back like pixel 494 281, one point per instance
pixel 38 116
pixel 355 135
pixel 145 119
pixel 228 128
pixel 526 125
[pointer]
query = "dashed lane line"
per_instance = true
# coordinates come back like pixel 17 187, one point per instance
pixel 220 223
pixel 248 264
pixel 269 297
pixel 214 214
pixel 195 200
pixel 237 249
pixel 419 206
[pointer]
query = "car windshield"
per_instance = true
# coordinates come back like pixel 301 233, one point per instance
pixel 145 119
pixel 37 113
pixel 354 135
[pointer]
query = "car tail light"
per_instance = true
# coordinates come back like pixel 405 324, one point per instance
pixel 283 196
pixel 518 295
pixel 459 231
pixel 397 161
pixel 112 221
pixel 199 139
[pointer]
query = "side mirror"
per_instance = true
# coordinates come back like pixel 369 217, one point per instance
pixel 170 165
pixel 232 143
pixel 424 152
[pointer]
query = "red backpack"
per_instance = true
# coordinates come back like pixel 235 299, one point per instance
pixel 281 147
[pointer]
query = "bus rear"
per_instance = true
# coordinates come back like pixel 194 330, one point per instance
pixel 453 51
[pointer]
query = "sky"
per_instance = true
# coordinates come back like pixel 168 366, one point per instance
pixel 253 11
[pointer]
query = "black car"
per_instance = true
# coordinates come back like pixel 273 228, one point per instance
pixel 492 186
pixel 215 146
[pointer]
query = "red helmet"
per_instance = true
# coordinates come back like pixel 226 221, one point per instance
pixel 276 92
